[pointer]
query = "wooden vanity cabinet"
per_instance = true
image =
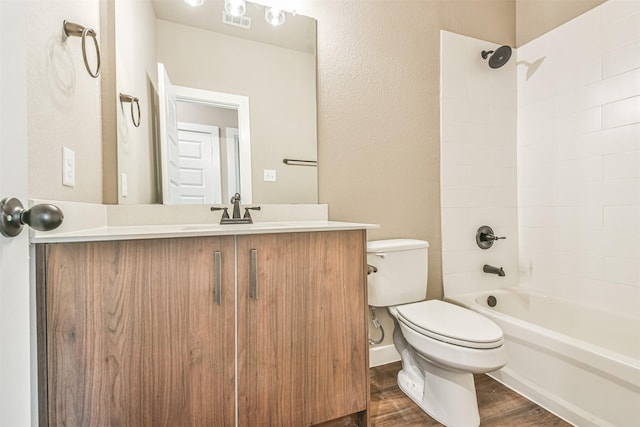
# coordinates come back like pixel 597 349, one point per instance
pixel 302 340
pixel 132 334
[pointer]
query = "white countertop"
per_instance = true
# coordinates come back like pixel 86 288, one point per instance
pixel 88 222
pixel 133 232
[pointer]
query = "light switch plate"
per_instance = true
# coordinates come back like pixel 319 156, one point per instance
pixel 68 167
pixel 269 175
pixel 124 184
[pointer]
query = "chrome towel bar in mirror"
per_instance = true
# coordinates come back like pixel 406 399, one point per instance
pixel 294 162
pixel 132 99
pixel 77 30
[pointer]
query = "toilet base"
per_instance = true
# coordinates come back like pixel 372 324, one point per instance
pixel 447 396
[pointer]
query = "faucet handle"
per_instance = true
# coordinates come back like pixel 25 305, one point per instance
pixel 485 237
pixel 225 214
pixel 250 208
pixel 488 237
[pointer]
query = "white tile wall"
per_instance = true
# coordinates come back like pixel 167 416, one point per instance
pixel 573 218
pixel 579 159
pixel 478 165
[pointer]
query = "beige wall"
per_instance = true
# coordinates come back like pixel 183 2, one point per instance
pixel 136 72
pixel 378 109
pixel 207 115
pixel 536 17
pixel 63 102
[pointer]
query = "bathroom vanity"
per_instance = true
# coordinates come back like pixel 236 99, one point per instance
pixel 204 325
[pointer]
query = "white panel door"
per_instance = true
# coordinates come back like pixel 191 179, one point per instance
pixel 199 164
pixel 169 149
pixel 15 329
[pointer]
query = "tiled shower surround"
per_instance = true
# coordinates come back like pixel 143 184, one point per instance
pixel 572 215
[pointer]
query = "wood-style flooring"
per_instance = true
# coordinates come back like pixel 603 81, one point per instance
pixel 498 405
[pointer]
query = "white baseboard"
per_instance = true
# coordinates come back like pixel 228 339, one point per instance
pixel 383 355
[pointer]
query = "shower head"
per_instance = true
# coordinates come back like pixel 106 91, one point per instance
pixel 499 57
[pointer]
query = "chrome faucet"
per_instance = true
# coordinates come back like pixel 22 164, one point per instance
pixel 493 270
pixel 235 200
pixel 235 215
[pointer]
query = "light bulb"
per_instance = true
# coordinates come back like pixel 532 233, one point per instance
pixel 235 8
pixel 194 3
pixel 274 16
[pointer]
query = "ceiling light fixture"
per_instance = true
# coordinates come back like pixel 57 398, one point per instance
pixel 235 7
pixel 194 3
pixel 274 16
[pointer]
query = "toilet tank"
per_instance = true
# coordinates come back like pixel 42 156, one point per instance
pixel 402 270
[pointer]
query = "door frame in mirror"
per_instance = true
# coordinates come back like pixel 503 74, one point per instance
pixel 239 103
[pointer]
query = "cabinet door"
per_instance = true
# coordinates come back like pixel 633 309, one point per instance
pixel 301 333
pixel 134 336
pixel 337 359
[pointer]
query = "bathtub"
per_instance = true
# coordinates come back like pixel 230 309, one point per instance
pixel 581 363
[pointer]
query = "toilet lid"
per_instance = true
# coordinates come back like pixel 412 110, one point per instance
pixel 450 323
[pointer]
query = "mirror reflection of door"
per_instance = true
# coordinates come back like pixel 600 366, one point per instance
pixel 202 154
pixel 168 136
pixel 199 164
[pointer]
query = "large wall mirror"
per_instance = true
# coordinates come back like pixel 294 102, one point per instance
pixel 234 98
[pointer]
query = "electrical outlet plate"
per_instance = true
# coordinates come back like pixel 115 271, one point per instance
pixel 269 175
pixel 68 167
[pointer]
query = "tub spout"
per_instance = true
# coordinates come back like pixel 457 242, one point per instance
pixel 493 270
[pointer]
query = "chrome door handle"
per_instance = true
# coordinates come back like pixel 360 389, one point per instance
pixel 13 216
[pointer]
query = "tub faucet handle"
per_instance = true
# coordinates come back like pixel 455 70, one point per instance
pixel 485 237
pixel 490 237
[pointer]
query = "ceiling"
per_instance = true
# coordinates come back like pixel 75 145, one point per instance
pixel 298 32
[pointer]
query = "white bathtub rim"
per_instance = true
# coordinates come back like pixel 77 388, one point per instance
pixel 618 367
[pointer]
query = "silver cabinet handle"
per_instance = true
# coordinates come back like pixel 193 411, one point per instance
pixel 218 275
pixel 254 274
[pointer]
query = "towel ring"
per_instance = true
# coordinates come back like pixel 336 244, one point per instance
pixel 132 99
pixel 76 30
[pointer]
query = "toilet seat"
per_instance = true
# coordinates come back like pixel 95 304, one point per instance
pixel 451 324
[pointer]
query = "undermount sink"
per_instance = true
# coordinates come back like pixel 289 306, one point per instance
pixel 254 226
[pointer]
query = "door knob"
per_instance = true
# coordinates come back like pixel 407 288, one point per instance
pixel 13 216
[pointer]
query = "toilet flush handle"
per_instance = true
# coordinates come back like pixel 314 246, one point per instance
pixel 381 254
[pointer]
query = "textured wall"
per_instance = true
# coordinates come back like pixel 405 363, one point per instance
pixel 136 69
pixel 379 109
pixel 63 102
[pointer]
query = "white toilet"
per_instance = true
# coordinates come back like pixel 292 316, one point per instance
pixel 441 344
